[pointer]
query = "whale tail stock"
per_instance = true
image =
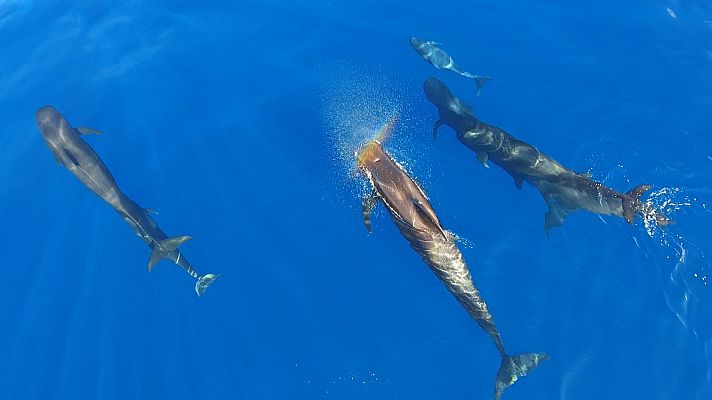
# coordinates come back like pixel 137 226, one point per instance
pixel 165 248
pixel 513 368
pixel 479 79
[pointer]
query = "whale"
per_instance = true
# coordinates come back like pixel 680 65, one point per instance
pixel 440 59
pixel 412 213
pixel 564 190
pixel 71 151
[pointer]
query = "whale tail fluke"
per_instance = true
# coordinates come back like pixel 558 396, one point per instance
pixel 163 248
pixel 203 282
pixel 514 367
pixel 480 81
pixel 632 204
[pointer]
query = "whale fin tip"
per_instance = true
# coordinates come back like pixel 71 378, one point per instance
pixel 162 248
pixel 480 82
pixel 83 130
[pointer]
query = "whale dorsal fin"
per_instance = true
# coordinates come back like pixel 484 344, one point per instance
pixel 83 130
pixel 163 248
pixel 367 205
pixel 429 216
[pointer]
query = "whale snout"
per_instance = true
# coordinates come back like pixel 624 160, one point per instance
pixel 415 42
pixel 46 115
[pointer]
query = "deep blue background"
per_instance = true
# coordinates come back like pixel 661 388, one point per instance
pixel 232 119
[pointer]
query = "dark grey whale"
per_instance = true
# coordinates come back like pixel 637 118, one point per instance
pixel 70 150
pixel 412 213
pixel 563 190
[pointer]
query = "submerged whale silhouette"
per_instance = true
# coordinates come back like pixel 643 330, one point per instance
pixel 563 190
pixel 70 150
pixel 412 213
pixel 440 59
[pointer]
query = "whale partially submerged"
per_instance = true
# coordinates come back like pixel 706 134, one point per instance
pixel 71 151
pixel 440 59
pixel 414 216
pixel 564 190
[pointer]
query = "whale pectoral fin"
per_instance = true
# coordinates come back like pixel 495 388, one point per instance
pixel 155 257
pixel 429 215
pixel 437 126
pixel 518 181
pixel 482 157
pixel 83 130
pixel 367 205
pixel 554 217
pixel 171 244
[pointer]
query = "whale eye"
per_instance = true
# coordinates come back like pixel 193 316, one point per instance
pixel 377 160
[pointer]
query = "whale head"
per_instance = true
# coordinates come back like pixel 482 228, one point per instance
pixel 368 154
pixel 436 91
pixel 48 121
pixel 371 152
pixel 440 95
pixel 416 43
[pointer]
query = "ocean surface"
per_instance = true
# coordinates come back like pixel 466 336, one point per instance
pixel 237 122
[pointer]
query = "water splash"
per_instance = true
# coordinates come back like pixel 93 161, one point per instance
pixel 358 382
pixel 464 242
pixel 683 266
pixel 356 104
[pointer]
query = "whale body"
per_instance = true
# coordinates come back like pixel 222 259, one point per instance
pixel 71 151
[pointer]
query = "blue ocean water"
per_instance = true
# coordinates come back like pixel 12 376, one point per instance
pixel 236 121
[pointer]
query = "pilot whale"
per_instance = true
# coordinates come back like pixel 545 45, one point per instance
pixel 70 150
pixel 414 216
pixel 563 190
pixel 440 59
